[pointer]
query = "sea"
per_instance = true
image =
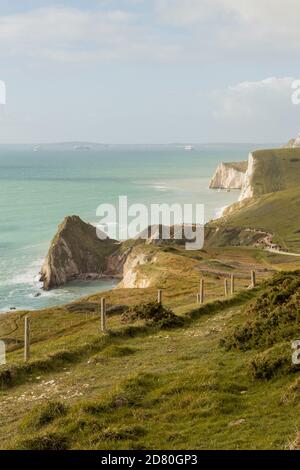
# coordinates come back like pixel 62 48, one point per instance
pixel 39 186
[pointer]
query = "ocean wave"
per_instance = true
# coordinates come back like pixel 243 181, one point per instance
pixel 160 187
pixel 29 276
pixel 156 185
pixel 49 294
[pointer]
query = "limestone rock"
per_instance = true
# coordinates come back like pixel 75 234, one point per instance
pixel 229 176
pixel 271 171
pixel 76 252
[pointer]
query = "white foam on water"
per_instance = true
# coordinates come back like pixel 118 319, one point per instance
pixel 159 187
pixel 29 276
pixel 156 185
pixel 48 294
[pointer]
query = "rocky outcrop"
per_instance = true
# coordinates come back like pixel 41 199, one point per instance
pixel 76 252
pixel 229 176
pixel 271 171
pixel 116 261
pixel 164 235
pixel 133 276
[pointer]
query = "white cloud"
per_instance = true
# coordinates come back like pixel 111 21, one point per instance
pixel 185 12
pixel 71 34
pixel 258 109
pixel 253 99
pixel 206 28
pixel 237 22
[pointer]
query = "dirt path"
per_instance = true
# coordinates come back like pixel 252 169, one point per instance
pixel 279 252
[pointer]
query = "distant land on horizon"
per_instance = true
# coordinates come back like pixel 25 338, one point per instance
pixel 92 146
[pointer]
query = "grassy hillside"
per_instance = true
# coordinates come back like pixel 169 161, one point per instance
pixel 143 386
pixel 277 213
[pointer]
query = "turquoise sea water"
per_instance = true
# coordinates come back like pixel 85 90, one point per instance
pixel 38 189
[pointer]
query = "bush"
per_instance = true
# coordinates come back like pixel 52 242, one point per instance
pixel 273 317
pixel 273 362
pixel 155 314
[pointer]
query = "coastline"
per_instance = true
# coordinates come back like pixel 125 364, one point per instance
pixel 20 263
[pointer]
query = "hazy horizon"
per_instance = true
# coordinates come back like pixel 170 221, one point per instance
pixel 134 144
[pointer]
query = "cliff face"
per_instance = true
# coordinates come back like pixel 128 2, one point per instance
pixel 229 176
pixel 271 171
pixel 76 252
pixel 248 186
pixel 133 277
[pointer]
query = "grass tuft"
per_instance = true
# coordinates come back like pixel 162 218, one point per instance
pixel 50 441
pixel 43 415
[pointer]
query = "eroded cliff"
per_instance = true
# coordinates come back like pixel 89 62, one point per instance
pixel 76 252
pixel 271 171
pixel 229 176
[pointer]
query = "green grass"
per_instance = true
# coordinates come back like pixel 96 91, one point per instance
pixel 187 394
pixel 277 213
pixel 177 375
pixel 273 316
pixel 141 386
pixel 273 209
pixel 176 389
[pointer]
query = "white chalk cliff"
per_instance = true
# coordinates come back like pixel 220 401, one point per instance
pixel 270 171
pixel 247 187
pixel 133 276
pixel 229 176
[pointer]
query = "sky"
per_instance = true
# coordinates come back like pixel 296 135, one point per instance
pixel 149 71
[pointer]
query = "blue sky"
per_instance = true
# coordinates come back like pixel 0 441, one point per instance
pixel 149 71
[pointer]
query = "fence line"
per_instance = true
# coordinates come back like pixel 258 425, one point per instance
pixel 28 323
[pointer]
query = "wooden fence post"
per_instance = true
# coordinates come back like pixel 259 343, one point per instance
pixel 103 315
pixel 226 287
pixel 26 339
pixel 159 296
pixel 232 286
pixel 253 279
pixel 201 294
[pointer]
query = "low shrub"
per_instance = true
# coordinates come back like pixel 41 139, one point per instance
pixel 155 314
pixel 273 317
pixel 273 362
